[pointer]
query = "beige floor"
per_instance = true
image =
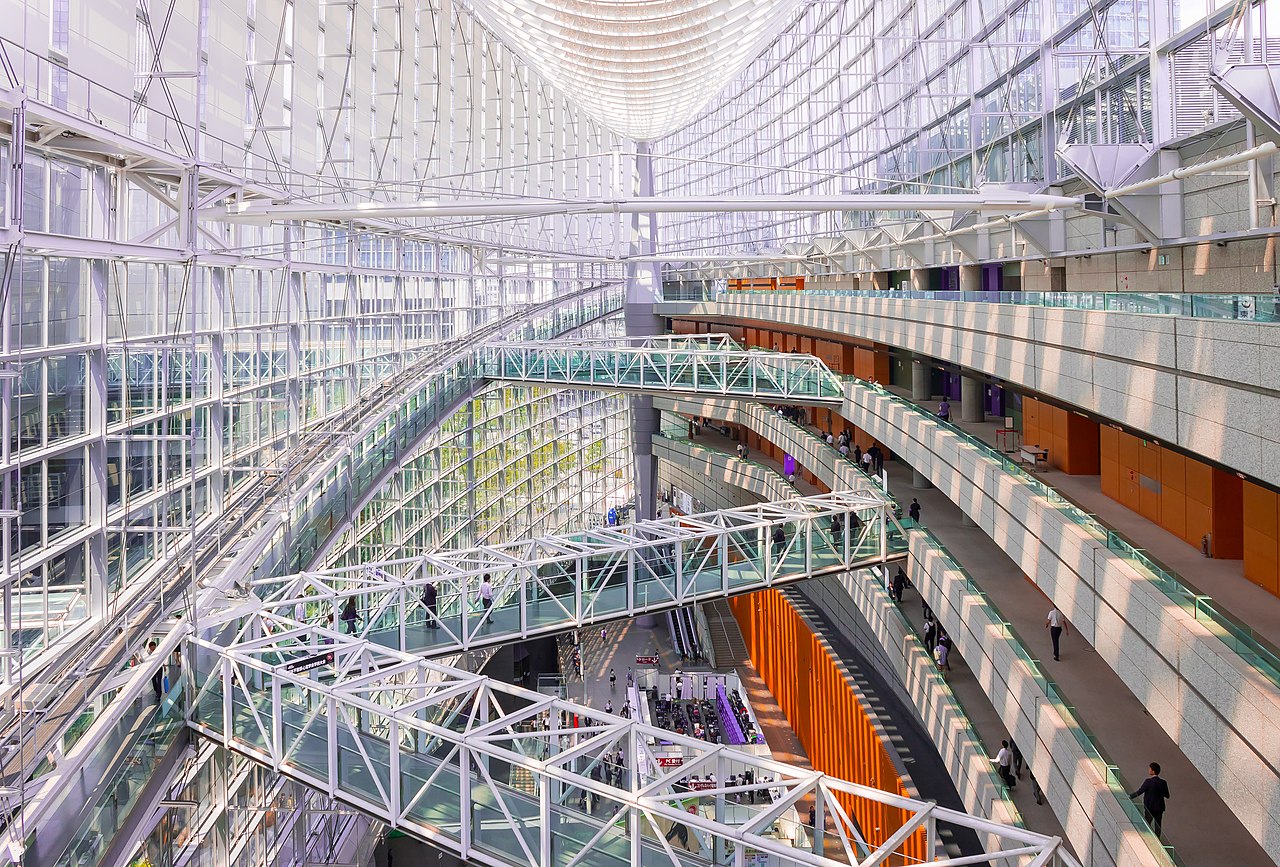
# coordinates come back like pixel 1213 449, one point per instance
pixel 1198 824
pixel 1223 580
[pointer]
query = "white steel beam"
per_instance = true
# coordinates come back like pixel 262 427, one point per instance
pixel 452 789
pixel 991 201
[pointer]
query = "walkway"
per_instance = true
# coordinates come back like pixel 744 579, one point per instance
pixel 460 600
pixel 977 705
pixel 502 773
pixel 666 365
pixel 1201 828
pixel 1221 579
pixel 713 439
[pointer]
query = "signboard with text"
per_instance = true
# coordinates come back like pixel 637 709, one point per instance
pixel 670 761
pixel 646 660
pixel 309 663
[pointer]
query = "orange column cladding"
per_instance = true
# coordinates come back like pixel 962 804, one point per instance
pixel 1262 537
pixel 1072 439
pixel 827 714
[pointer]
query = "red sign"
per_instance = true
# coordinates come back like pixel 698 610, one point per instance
pixel 646 660
pixel 701 785
pixel 670 761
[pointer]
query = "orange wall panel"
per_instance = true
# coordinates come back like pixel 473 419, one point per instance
pixel 1199 482
pixel 838 732
pixel 1173 512
pixel 1261 510
pixel 1228 515
pixel 1262 560
pixel 1082 457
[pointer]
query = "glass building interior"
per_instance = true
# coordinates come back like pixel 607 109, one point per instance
pixel 639 432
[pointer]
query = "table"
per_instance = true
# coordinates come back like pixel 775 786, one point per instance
pixel 1033 454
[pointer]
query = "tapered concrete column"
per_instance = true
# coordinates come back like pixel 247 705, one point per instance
pixel 880 281
pixel 972 396
pixel 920 279
pixel 921 378
pixel 919 481
pixel 970 278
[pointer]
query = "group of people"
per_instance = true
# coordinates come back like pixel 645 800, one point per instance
pixel 936 638
pixel 1010 764
pixel 870 462
pixel 791 413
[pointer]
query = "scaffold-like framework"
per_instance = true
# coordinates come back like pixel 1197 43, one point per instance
pixel 438 603
pixel 685 366
pixel 506 776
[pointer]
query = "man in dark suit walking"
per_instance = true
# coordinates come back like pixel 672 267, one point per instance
pixel 1154 791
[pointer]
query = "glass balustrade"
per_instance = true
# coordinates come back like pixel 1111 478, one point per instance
pixel 1254 650
pixel 1246 306
pixel 554 584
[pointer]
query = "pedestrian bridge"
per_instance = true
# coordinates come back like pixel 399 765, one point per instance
pixel 680 364
pixel 505 776
pixel 433 605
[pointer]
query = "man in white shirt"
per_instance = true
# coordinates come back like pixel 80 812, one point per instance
pixel 1057 626
pixel 1004 759
pixel 486 592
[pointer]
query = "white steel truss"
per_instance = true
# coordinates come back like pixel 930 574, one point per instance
pixel 434 605
pixel 506 776
pixel 687 366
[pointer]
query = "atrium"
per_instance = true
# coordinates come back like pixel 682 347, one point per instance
pixel 597 433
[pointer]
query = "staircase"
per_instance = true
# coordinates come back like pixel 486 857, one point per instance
pixel 728 650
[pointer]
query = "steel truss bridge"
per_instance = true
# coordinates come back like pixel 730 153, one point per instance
pixel 506 776
pixel 701 365
pixel 552 584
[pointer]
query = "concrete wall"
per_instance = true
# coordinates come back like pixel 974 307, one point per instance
pixel 1074 782
pixel 719 480
pixel 1246 265
pixel 1210 386
pixel 1223 713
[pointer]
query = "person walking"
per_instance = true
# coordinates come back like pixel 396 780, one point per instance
pixel 857 455
pixel 866 463
pixel 157 679
pixel 613 680
pixel 913 511
pixel 431 601
pixel 1154 791
pixel 680 831
pixel 877 459
pixel 1057 626
pixel 1004 760
pixel 1018 761
pixel 943 652
pixel 779 540
pixel 944 410
pixel 350 615
pixel 486 592
pixel 899 584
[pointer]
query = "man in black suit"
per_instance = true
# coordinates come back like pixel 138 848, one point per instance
pixel 1154 791
pixel 430 599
